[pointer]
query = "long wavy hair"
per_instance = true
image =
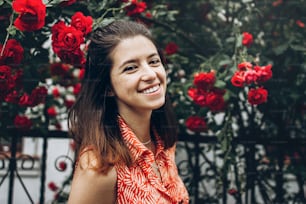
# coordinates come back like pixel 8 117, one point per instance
pixel 92 121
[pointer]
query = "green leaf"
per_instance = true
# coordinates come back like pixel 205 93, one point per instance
pixel 225 62
pixel 200 57
pixel 224 145
pixel 11 30
pixel 226 96
pixel 53 3
pixel 230 40
pixel 294 96
pixel 220 84
pixel 239 41
pixel 1 2
pixel 280 49
pixel 298 47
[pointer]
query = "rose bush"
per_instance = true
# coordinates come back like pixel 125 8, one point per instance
pixel 259 62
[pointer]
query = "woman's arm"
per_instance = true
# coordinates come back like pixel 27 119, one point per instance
pixel 90 186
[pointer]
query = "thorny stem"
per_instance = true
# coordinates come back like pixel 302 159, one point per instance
pixel 101 18
pixel 7 34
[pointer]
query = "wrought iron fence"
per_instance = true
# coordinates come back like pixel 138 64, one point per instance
pixel 13 157
pixel 200 164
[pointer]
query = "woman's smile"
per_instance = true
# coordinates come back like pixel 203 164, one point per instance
pixel 151 90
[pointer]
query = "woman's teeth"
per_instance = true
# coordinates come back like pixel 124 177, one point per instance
pixel 151 90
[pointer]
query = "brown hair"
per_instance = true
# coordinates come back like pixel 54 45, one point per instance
pixel 93 118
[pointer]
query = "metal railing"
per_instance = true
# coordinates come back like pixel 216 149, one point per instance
pixel 13 158
pixel 201 167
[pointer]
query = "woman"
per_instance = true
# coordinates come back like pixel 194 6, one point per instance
pixel 122 123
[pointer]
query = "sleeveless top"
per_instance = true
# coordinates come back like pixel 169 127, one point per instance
pixel 139 184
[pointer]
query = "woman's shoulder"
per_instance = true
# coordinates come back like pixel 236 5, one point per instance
pixel 88 159
pixel 91 185
pixel 90 164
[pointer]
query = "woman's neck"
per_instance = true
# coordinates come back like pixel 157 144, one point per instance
pixel 140 125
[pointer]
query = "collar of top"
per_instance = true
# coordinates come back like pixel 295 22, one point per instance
pixel 136 148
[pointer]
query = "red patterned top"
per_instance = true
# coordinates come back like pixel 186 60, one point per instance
pixel 139 184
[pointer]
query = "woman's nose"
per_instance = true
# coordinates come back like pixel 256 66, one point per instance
pixel 148 73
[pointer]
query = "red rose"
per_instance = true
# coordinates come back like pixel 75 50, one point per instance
pixel 6 79
pixel 56 196
pixel 18 79
pixel 243 66
pixel 55 30
pixel 250 76
pixel 215 101
pixel 31 14
pixel 192 92
pixel 300 23
pixel 135 7
pixel 204 80
pixel 55 92
pixel 77 88
pixel 196 124
pixel 247 39
pixel 58 126
pixel 238 79
pixel 148 15
pixel 198 96
pixel 264 73
pixel 59 69
pixel 62 165
pixel 5 72
pixel 52 186
pixel 38 95
pixel 72 145
pixel 257 96
pixel 171 48
pixel 69 102
pixel 12 97
pixel 82 23
pixel 65 38
pixel 25 100
pixel 12 53
pixel 232 191
pixel 22 122
pixel 52 111
pixel 75 57
pixel 81 73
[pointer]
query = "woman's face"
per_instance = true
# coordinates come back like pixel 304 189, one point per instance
pixel 138 77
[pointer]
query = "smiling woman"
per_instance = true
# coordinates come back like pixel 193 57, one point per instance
pixel 123 123
pixel 138 78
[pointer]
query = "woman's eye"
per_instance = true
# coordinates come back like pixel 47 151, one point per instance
pixel 155 61
pixel 129 68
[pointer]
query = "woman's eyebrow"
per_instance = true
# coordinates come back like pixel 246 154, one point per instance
pixel 153 55
pixel 134 60
pixel 127 62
